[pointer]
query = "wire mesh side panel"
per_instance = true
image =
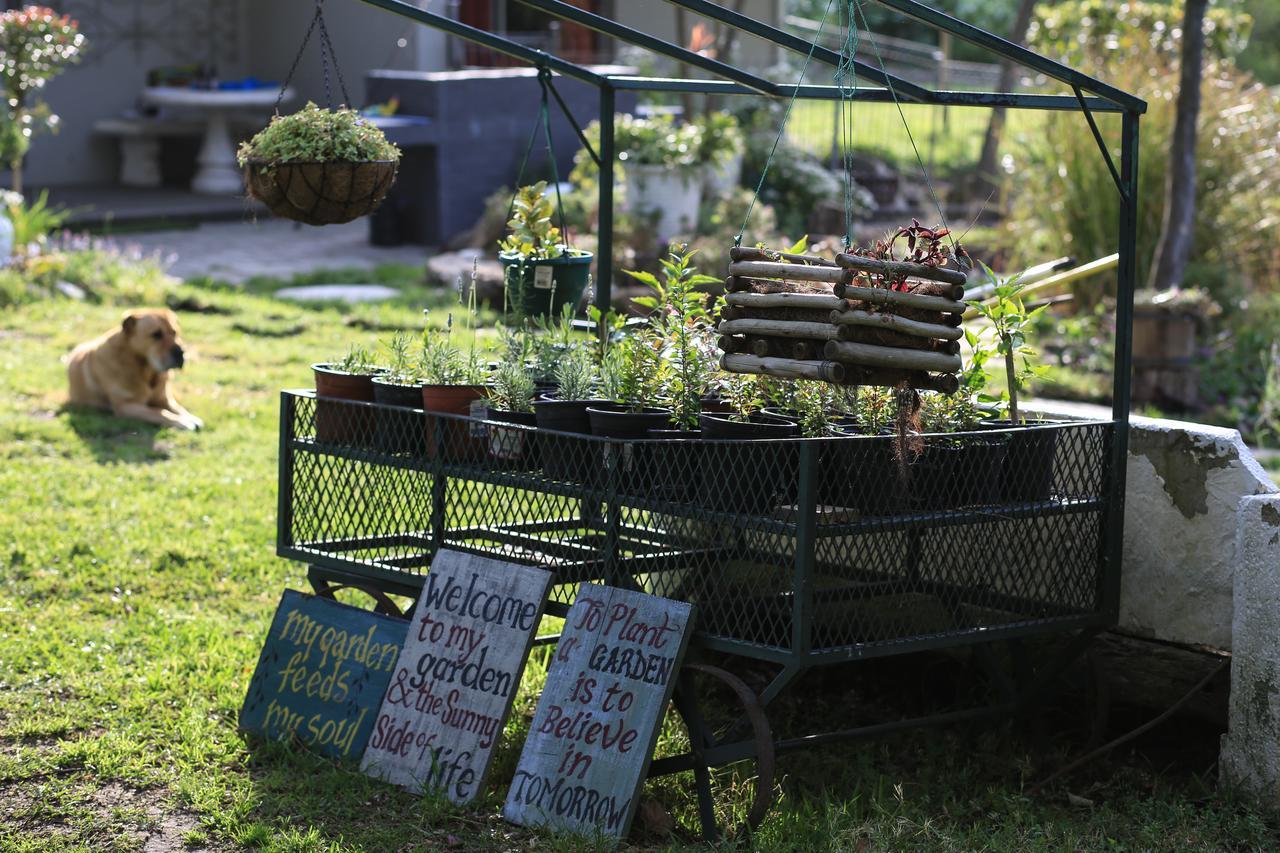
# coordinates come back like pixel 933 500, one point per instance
pixel 967 536
pixel 359 494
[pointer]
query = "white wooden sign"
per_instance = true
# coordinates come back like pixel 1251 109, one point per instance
pixel 597 719
pixel 457 675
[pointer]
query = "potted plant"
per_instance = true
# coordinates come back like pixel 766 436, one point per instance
pixel 721 152
pixel 565 457
pixel 398 388
pixel 745 396
pixel 511 401
pixel 453 383
pixel 1028 466
pixel 321 167
pixel 738 474
pixel 350 378
pixel 660 163
pixel 541 273
pixel 632 372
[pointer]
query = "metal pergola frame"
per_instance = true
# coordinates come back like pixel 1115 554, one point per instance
pixel 1089 96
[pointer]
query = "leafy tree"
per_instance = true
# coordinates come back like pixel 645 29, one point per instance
pixel 36 45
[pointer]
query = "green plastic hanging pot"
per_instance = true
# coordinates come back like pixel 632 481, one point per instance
pixel 540 288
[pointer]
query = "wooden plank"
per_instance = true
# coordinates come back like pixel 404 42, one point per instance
pixel 789 272
pixel 894 323
pixel 321 675
pixel 447 703
pixel 900 269
pixel 597 720
pixel 907 359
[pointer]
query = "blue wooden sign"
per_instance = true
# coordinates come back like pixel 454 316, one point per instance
pixel 322 674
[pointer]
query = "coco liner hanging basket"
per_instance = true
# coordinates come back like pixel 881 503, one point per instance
pixel 328 193
pixel 540 287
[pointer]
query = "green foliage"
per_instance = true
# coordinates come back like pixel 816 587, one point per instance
pixel 1010 320
pixel 533 235
pixel 442 362
pixel 33 222
pixel 1065 202
pixel 680 323
pixel 575 375
pixel 657 141
pixel 105 275
pixel 359 361
pixel 744 393
pixel 721 137
pixel 633 372
pixel 513 389
pixel 401 368
pixel 36 45
pixel 315 135
pixel 1101 34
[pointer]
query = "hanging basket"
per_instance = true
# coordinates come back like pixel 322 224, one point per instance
pixel 328 193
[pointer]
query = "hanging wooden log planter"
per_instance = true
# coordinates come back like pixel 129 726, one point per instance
pixel 855 320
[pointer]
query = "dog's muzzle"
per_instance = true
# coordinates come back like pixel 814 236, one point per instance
pixel 175 356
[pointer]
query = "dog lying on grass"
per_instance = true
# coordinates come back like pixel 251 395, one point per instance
pixel 126 371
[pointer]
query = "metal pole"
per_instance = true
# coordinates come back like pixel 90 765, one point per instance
pixel 1126 274
pixel 604 245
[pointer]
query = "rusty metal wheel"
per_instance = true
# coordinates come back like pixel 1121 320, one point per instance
pixel 382 602
pixel 706 752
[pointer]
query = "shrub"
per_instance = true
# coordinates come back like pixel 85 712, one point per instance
pixel 313 135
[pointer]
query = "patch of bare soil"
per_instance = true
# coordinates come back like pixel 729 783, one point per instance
pixel 157 826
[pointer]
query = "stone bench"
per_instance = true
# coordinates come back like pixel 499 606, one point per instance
pixel 140 144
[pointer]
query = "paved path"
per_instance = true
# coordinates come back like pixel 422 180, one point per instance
pixel 237 251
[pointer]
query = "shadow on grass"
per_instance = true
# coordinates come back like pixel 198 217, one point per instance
pixel 113 439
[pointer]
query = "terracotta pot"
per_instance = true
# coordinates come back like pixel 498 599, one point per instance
pixel 462 440
pixel 341 423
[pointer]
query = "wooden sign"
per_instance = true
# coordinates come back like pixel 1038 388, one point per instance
pixel 322 673
pixel 597 719
pixel 449 697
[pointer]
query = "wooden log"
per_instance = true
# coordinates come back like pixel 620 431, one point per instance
pixel 728 343
pixel 783 300
pixel 771 286
pixel 943 383
pixel 784 348
pixel 784 368
pixel 886 338
pixel 881 296
pixel 789 272
pixel 751 253
pixel 778 329
pixel 897 324
pixel 936 288
pixel 876 356
pixel 733 284
pixel 900 269
pixel 789 315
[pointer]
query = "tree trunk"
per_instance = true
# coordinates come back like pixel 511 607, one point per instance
pixel 987 165
pixel 1178 225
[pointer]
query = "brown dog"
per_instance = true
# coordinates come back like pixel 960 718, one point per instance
pixel 127 370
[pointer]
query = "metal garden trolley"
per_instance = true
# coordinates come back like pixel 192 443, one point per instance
pixel 796 552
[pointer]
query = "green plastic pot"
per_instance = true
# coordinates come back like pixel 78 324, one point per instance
pixel 540 288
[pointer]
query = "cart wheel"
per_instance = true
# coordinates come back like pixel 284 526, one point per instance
pixel 382 602
pixel 701 738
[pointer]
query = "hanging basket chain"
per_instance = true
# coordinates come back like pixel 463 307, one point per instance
pixel 856 5
pixel 543 124
pixel 327 54
pixel 846 80
pixel 737 241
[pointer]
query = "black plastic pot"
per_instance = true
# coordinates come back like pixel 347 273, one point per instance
pixel 740 478
pixel 620 461
pixel 1027 473
pixel 563 456
pixel 399 431
pixel 669 465
pixel 957 472
pixel 513 449
pixel 858 471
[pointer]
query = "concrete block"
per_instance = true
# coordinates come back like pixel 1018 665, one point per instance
pixel 1250 757
pixel 1185 483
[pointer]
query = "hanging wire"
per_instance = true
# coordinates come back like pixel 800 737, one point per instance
pixel 543 124
pixel 846 80
pixel 856 5
pixel 737 241
pixel 327 55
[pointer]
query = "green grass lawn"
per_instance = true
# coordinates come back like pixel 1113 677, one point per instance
pixel 137 579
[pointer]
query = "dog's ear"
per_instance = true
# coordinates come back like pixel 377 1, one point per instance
pixel 129 322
